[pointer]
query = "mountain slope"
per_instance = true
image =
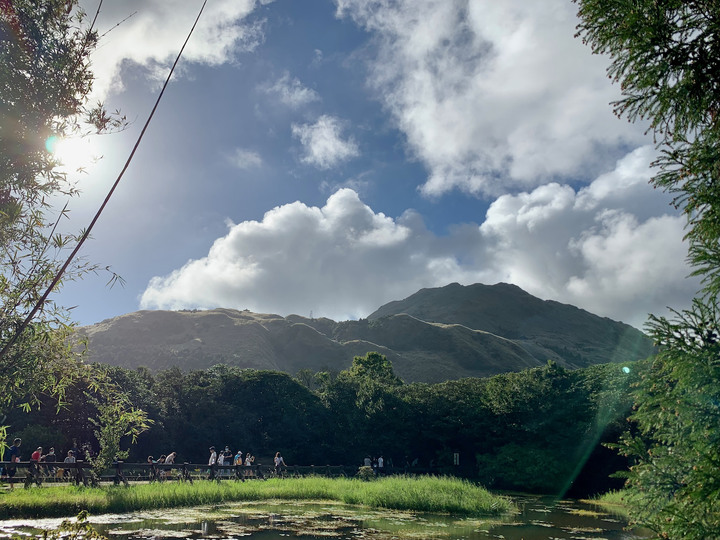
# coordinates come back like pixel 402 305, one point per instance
pixel 431 336
pixel 542 327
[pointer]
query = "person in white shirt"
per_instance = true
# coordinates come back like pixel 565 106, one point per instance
pixel 279 462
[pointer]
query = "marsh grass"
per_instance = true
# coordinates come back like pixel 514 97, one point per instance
pixel 419 494
pixel 617 502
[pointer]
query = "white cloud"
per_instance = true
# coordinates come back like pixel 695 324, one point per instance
pixel 155 31
pixel 493 95
pixel 323 143
pixel 333 260
pixel 243 158
pixel 291 91
pixel 587 248
pixel 601 248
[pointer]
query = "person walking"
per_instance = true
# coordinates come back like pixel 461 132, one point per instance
pixel 212 462
pixel 51 459
pixel 14 453
pixel 71 459
pixel 279 463
pixel 249 460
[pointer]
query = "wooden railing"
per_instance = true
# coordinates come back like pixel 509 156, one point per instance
pixel 32 472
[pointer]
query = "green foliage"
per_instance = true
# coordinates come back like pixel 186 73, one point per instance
pixel 45 80
pixel 529 468
pixel 534 430
pixel 373 366
pixel 677 449
pixel 665 56
pixel 71 530
pixel 365 473
pixel 117 418
pixel 45 436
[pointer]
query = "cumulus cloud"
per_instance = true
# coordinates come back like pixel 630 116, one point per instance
pixel 323 143
pixel 340 260
pixel 291 92
pixel 243 158
pixel 599 248
pixel 152 32
pixel 493 95
pixel 343 260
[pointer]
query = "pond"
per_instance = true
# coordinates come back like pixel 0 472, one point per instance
pixel 537 518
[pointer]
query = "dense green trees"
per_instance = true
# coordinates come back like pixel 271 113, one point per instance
pixel 666 57
pixel 540 429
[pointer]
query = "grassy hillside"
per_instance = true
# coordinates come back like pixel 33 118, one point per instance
pixel 541 327
pixel 434 335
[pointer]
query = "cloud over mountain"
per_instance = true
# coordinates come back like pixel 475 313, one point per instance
pixel 586 248
pixel 474 142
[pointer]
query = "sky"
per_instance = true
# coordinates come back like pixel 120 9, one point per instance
pixel 323 158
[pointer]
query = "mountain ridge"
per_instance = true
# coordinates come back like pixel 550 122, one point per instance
pixel 433 335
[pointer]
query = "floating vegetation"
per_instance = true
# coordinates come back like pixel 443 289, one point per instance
pixel 280 519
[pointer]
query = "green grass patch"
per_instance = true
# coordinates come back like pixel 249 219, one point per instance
pixel 419 494
pixel 616 502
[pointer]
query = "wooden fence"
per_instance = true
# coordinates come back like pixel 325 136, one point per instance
pixel 31 472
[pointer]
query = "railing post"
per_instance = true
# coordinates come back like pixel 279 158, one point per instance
pixel 186 473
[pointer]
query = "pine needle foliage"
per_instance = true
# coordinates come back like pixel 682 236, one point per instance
pixel 666 57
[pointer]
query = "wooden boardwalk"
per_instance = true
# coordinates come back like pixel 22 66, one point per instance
pixel 31 472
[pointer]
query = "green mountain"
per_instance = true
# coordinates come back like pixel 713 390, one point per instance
pixel 431 336
pixel 544 328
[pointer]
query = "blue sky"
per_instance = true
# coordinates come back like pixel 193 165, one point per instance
pixel 327 157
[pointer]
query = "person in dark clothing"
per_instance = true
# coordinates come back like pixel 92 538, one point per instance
pixel 51 459
pixel 13 457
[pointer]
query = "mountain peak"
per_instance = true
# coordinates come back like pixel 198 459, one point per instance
pixel 433 335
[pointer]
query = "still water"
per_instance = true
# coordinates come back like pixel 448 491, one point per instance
pixel 536 519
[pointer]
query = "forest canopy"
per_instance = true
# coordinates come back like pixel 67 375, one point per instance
pixel 539 430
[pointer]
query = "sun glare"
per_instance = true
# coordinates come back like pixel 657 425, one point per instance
pixel 76 154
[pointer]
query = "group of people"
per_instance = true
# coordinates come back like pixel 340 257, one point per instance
pixel 377 464
pixel 37 457
pixel 222 458
pixel 226 457
pixel 168 459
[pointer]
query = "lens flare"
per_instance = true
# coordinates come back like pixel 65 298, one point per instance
pixel 51 143
pixel 626 370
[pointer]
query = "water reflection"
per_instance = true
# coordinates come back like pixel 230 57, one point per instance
pixel 536 519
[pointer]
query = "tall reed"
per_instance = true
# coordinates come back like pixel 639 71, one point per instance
pixel 420 494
